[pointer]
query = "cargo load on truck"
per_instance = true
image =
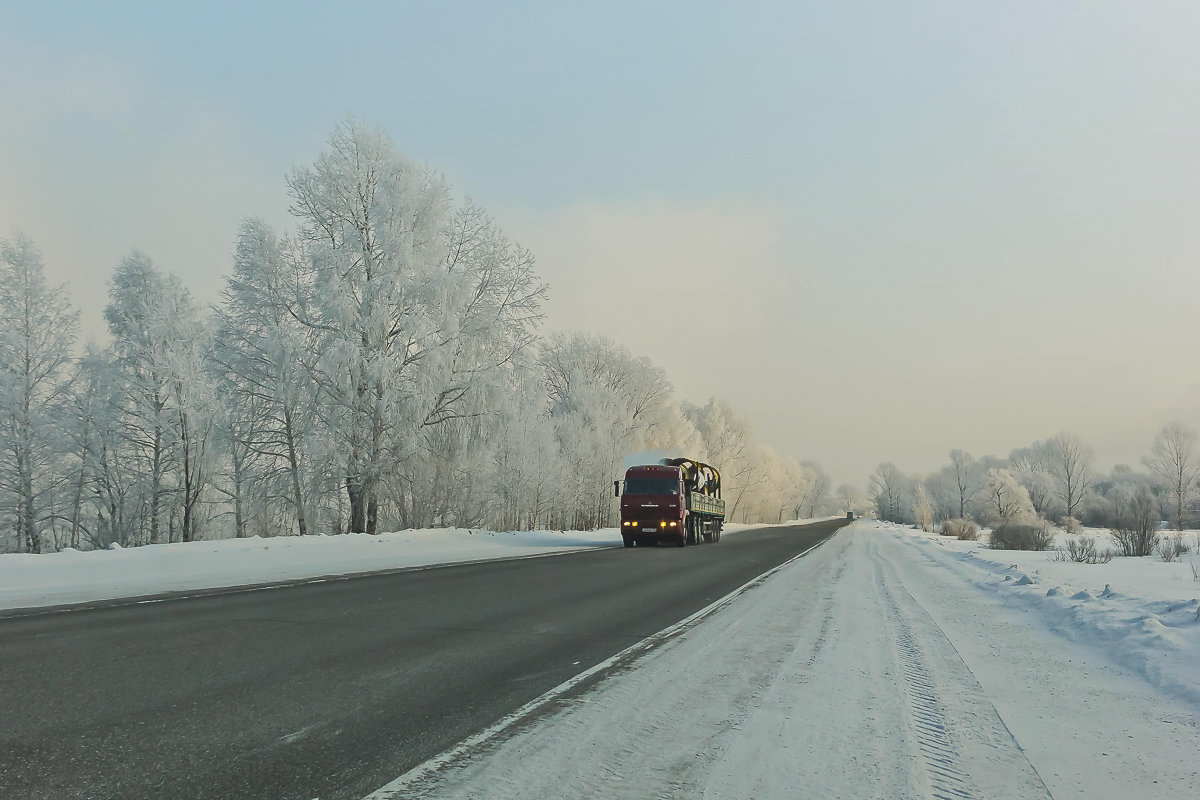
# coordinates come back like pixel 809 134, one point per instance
pixel 676 501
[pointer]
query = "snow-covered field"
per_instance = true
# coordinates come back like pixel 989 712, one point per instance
pixel 886 664
pixel 34 581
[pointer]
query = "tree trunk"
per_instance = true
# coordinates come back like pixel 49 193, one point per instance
pixel 356 494
pixel 33 542
pixel 294 469
pixel 155 483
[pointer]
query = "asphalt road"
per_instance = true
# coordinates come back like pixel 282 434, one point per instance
pixel 330 690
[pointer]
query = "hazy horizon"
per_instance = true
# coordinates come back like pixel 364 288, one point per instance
pixel 896 231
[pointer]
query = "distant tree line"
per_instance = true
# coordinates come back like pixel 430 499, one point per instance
pixel 380 366
pixel 1054 480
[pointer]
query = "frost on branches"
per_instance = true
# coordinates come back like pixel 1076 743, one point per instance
pixel 378 365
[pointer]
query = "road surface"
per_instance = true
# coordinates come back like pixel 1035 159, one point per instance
pixel 331 690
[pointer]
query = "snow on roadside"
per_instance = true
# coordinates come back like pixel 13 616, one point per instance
pixel 30 581
pixel 36 581
pixel 1143 612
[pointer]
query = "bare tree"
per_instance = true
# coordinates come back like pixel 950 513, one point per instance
pixel 818 489
pixel 966 473
pixel 1071 466
pixel 1174 458
pixel 849 497
pixel 887 490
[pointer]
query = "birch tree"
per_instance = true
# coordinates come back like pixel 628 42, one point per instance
pixel 1175 460
pixel 152 319
pixel 966 476
pixel 887 492
pixel 730 442
pixel 37 335
pixel 408 305
pixel 817 492
pixel 1071 465
pixel 269 402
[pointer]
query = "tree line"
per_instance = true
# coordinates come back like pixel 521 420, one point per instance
pixel 380 366
pixel 1054 480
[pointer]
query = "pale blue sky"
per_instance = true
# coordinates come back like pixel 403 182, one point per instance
pixel 985 214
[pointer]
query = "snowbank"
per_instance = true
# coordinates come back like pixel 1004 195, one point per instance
pixel 28 581
pixel 1144 612
pixel 35 581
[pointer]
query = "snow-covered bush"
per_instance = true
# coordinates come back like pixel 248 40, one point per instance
pixel 961 528
pixel 1070 525
pixel 1170 548
pixel 1082 549
pixel 1022 536
pixel 1137 532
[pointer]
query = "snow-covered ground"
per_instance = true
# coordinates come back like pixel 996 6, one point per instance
pixel 34 581
pixel 885 664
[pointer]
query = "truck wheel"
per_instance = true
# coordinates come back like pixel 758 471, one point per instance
pixel 628 541
pixel 681 540
pixel 717 531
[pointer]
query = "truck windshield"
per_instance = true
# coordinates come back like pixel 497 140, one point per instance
pixel 651 486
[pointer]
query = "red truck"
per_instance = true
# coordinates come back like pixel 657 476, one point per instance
pixel 677 500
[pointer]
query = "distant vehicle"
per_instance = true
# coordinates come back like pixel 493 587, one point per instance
pixel 849 515
pixel 677 501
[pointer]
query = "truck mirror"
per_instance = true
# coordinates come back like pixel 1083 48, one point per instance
pixel 616 488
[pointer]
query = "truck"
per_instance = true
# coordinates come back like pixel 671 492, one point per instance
pixel 676 501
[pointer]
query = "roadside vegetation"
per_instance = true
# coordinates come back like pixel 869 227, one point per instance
pixel 1021 501
pixel 378 365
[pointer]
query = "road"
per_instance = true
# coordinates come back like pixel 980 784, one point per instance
pixel 331 690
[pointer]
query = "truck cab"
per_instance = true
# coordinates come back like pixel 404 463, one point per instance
pixel 653 505
pixel 678 501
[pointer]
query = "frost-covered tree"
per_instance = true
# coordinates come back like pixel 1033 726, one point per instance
pixel 269 419
pixel 1071 465
pixel 1175 460
pixel 817 494
pixel 37 335
pixel 496 311
pixel 102 472
pixel 849 497
pixel 1007 501
pixel 198 413
pixel 732 447
pixel 155 328
pixel 408 306
pixel 526 468
pixel 967 480
pixel 923 510
pixel 888 488
pixel 778 490
pixel 606 404
pixel 1031 466
pixel 366 288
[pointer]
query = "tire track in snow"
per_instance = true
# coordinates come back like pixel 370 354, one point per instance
pixel 941 760
pixel 934 719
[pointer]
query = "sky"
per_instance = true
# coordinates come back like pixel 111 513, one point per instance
pixel 882 230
